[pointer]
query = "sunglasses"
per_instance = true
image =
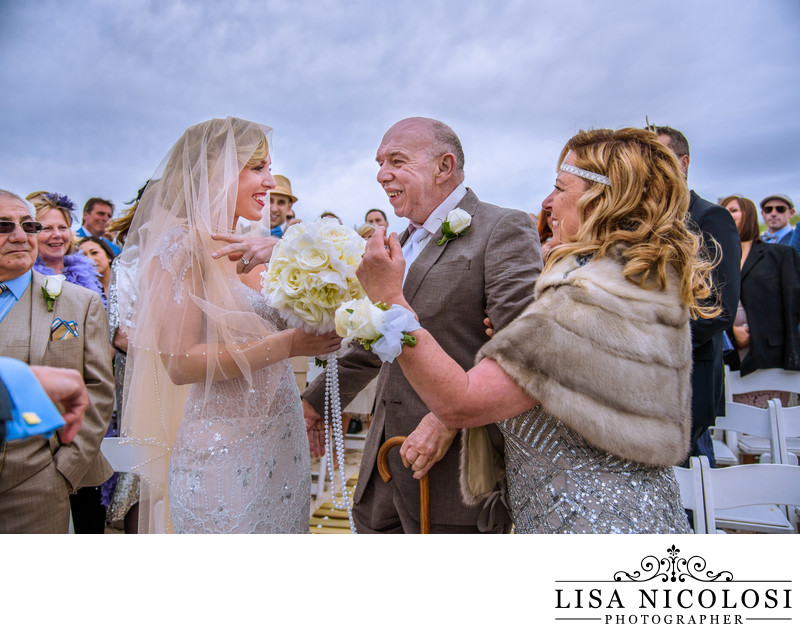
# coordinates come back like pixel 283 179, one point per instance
pixel 7 227
pixel 777 209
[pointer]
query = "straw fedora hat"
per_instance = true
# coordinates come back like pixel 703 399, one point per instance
pixel 284 187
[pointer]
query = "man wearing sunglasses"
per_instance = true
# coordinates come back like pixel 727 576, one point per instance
pixel 63 330
pixel 777 210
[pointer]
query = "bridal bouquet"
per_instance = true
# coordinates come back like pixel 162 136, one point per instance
pixel 376 327
pixel 312 272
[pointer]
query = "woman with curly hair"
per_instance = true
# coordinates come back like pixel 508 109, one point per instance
pixel 590 385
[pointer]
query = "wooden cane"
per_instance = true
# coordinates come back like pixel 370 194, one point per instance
pixel 424 483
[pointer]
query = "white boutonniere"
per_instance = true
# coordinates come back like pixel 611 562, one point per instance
pixel 52 289
pixel 456 224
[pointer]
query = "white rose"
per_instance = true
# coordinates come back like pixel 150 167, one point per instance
pixel 292 280
pixel 52 285
pixel 310 313
pixel 358 319
pixel 459 220
pixel 313 258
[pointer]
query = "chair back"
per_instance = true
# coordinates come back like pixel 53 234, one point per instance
pixel 750 485
pixel 754 422
pixel 788 429
pixel 118 455
pixel 761 380
pixel 690 480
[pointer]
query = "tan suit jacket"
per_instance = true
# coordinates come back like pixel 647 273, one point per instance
pixel 25 335
pixel 492 267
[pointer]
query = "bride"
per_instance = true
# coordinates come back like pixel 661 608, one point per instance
pixel 590 384
pixel 211 404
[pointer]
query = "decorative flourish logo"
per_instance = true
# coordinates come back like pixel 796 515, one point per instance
pixel 674 596
pixel 672 569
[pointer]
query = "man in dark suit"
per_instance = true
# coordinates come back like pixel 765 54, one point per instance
pixel 492 265
pixel 721 239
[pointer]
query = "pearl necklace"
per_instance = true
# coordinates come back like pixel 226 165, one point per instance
pixel 333 425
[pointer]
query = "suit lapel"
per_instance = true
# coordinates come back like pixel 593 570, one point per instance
pixel 40 320
pixel 755 254
pixel 432 251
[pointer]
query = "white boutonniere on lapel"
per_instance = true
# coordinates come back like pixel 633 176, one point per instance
pixel 456 224
pixel 52 289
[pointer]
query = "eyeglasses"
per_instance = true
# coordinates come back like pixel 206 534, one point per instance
pixel 778 209
pixel 7 227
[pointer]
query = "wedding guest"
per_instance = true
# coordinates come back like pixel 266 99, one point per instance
pixel 491 265
pixel 211 404
pixel 281 201
pixel 62 327
pixel 764 334
pixel 58 253
pixel 366 230
pixel 594 425
pixel 97 212
pixel 720 241
pixel 330 214
pixel 377 217
pixel 101 255
pixel 123 504
pixel 777 211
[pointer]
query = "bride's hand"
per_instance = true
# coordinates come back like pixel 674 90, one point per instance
pixel 247 252
pixel 382 269
pixel 426 446
pixel 306 344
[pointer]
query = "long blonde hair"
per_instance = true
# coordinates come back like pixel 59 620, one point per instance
pixel 644 209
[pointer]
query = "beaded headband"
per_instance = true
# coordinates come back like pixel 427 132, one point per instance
pixel 588 175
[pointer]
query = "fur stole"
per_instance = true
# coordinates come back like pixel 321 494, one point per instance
pixel 609 359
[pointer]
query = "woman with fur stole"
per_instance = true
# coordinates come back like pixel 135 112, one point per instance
pixel 590 384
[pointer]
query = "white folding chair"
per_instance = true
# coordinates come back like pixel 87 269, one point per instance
pixel 788 428
pixel 690 480
pixel 118 455
pixel 750 497
pixel 761 380
pixel 746 430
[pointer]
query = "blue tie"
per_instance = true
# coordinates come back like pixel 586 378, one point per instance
pixel 276 232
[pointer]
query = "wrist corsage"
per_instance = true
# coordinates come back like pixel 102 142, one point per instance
pixel 456 224
pixel 52 289
pixel 378 328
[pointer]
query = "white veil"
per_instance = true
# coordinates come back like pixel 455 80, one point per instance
pixel 188 320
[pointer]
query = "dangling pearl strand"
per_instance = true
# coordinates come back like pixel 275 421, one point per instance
pixel 333 413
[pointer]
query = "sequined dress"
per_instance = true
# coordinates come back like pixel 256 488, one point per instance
pixel 559 483
pixel 242 465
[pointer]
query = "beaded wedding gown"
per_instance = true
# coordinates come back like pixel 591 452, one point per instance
pixel 240 463
pixel 559 483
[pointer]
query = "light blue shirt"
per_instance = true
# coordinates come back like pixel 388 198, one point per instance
pixel 82 232
pixel 33 412
pixel 17 288
pixel 775 238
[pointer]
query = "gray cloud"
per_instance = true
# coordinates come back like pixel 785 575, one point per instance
pixel 97 92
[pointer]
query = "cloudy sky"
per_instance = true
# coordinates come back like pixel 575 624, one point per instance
pixel 95 92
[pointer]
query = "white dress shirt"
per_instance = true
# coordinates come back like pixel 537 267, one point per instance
pixel 422 235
